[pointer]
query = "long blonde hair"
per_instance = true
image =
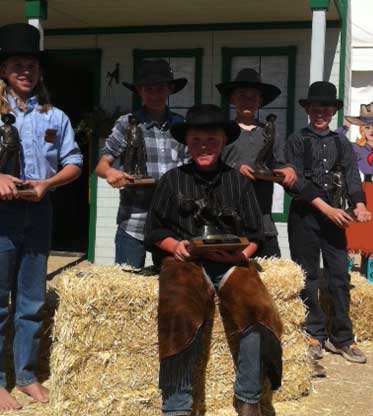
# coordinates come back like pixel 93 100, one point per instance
pixel 361 140
pixel 40 91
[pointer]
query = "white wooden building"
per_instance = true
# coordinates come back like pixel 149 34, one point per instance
pixel 207 42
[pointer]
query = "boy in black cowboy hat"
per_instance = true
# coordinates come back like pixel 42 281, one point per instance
pixel 247 93
pixel 154 83
pixel 48 157
pixel 315 225
pixel 186 285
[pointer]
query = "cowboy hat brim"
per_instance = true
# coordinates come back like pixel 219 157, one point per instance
pixel 178 84
pixel 269 92
pixel 231 128
pixel 359 121
pixel 324 100
pixel 41 56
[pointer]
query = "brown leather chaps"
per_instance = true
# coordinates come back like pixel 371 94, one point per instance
pixel 186 300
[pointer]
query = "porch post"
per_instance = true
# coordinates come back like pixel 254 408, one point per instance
pixel 36 11
pixel 319 9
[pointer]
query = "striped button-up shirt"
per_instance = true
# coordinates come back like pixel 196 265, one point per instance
pixel 323 154
pixel 41 159
pixel 163 153
pixel 233 191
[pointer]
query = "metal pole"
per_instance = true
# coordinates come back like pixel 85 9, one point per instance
pixel 318 45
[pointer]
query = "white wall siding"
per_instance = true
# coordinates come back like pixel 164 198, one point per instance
pixel 119 48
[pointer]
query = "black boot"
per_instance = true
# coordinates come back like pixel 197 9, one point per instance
pixel 247 409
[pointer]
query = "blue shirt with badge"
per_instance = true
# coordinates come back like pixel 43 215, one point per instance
pixel 44 154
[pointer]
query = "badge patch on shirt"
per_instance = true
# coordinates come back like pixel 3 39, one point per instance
pixel 50 135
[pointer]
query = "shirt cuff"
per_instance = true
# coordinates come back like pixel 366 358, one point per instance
pixel 73 160
pixel 358 196
pixel 310 192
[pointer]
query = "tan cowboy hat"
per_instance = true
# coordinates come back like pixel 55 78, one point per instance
pixel 366 115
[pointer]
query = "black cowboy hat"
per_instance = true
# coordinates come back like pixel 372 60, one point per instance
pixel 205 116
pixel 153 72
pixel 249 78
pixel 20 39
pixel 322 92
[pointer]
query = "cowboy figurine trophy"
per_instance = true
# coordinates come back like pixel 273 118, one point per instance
pixel 134 157
pixel 262 171
pixel 10 152
pixel 214 224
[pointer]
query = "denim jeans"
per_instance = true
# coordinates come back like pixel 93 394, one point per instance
pixel 25 229
pixel 129 250
pixel 248 383
pixel 310 234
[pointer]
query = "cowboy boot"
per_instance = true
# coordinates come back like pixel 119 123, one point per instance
pixel 247 409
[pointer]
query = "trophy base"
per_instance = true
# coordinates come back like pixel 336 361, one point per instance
pixel 142 182
pixel 219 242
pixel 269 176
pixel 25 191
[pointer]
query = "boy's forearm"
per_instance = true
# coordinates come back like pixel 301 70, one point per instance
pixel 321 205
pixel 168 244
pixel 103 167
pixel 68 174
pixel 250 250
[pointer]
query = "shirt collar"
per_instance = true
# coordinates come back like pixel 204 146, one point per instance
pixel 323 134
pixel 31 103
pixel 143 117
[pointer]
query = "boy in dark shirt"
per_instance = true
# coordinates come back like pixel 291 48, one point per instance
pixel 247 93
pixel 315 225
pixel 187 285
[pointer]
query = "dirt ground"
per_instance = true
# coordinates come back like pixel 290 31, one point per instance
pixel 346 391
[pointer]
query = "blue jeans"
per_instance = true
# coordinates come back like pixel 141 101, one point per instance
pixel 129 250
pixel 248 383
pixel 25 229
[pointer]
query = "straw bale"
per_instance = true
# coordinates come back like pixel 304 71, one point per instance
pixel 361 308
pixel 105 357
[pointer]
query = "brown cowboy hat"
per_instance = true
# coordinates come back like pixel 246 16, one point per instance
pixel 366 115
pixel 205 116
pixel 249 78
pixel 322 92
pixel 20 39
pixel 153 72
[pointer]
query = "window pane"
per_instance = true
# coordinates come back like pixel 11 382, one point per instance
pixel 183 68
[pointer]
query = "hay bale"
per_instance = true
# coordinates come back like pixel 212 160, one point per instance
pixel 105 357
pixel 361 308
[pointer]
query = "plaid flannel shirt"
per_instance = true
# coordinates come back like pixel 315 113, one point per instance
pixel 163 153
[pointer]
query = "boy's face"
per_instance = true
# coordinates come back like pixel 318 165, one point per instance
pixel 205 146
pixel 247 101
pixel 22 74
pixel 155 97
pixel 320 115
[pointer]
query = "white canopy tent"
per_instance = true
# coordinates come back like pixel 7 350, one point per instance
pixel 362 56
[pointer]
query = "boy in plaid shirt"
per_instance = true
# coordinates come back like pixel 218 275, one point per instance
pixel 154 83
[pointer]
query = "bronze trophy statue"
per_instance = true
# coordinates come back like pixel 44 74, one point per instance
pixel 262 171
pixel 134 157
pixel 339 197
pixel 215 224
pixel 10 151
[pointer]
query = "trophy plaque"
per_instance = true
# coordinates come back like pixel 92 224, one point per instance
pixel 134 157
pixel 215 225
pixel 262 171
pixel 210 242
pixel 10 152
